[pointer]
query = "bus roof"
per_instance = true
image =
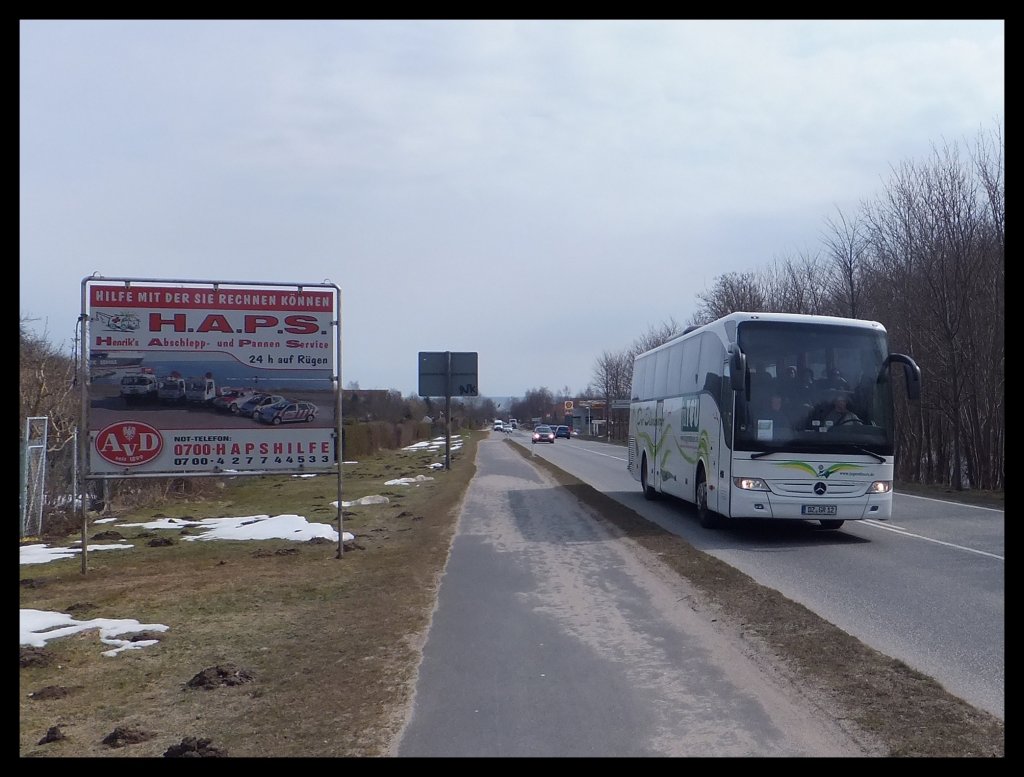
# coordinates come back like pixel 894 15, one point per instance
pixel 734 319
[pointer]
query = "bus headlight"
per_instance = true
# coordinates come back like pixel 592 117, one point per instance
pixel 880 487
pixel 750 484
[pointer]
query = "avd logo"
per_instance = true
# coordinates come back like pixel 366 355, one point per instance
pixel 129 443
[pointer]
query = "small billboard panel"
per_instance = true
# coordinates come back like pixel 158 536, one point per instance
pixel 205 377
pixel 448 374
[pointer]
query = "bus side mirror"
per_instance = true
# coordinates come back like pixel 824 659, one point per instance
pixel 737 369
pixel 910 370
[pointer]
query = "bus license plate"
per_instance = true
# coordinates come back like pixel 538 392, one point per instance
pixel 818 509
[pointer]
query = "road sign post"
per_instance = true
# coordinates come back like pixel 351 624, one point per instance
pixel 444 374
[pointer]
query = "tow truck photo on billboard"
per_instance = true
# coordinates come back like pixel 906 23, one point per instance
pixel 210 377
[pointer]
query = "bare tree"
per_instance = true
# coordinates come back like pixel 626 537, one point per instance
pixel 846 245
pixel 655 336
pixel 897 295
pixel 613 374
pixel 795 285
pixel 730 293
pixel 988 162
pixel 536 403
pixel 936 262
pixel 985 408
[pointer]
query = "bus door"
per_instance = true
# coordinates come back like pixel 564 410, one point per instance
pixel 720 443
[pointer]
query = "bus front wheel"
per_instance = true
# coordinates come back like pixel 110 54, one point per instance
pixel 705 517
pixel 649 493
pixel 830 524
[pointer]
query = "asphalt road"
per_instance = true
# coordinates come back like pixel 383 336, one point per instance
pixel 553 638
pixel 925 587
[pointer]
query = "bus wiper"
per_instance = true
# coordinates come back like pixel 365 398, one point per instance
pixel 856 448
pixel 866 452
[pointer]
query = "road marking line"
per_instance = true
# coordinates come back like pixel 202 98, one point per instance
pixel 607 455
pixel 949 502
pixel 905 533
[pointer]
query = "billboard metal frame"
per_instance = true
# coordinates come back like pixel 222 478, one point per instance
pixel 285 334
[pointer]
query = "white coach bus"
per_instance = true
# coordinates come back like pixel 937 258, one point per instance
pixel 769 415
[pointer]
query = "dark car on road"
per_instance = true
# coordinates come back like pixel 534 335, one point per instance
pixel 563 431
pixel 286 412
pixel 543 434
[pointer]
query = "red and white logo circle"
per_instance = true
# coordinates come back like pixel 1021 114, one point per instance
pixel 129 443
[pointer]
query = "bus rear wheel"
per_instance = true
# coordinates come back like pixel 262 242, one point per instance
pixel 649 493
pixel 705 517
pixel 831 524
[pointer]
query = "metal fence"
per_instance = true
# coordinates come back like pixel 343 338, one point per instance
pixel 33 475
pixel 48 488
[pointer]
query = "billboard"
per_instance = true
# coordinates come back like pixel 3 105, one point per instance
pixel 209 377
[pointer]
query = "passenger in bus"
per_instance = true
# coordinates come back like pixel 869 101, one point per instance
pixel 799 395
pixel 789 378
pixel 776 412
pixel 841 413
pixel 835 380
pixel 805 384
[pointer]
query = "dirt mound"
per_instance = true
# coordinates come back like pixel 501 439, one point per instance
pixel 126 735
pixel 34 656
pixel 191 747
pixel 53 734
pixel 50 692
pixel 108 535
pixel 216 676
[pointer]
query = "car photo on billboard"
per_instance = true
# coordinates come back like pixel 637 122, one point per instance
pixel 286 412
pixel 229 399
pixel 139 388
pixel 251 406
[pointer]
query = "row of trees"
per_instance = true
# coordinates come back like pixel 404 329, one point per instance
pixel 925 258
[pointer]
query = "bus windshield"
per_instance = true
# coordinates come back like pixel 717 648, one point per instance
pixel 811 388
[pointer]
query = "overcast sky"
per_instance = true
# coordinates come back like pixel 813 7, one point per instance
pixel 537 192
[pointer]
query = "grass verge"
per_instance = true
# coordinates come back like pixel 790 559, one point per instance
pixel 331 645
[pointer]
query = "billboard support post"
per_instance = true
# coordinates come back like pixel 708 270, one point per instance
pixel 339 448
pixel 448 413
pixel 446 374
pixel 82 441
